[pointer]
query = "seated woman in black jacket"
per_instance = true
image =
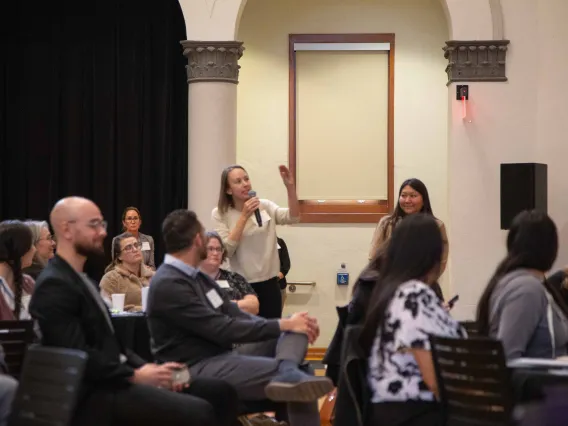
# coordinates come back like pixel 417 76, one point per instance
pixel 352 314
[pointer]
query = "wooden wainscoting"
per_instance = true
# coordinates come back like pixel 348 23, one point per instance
pixel 315 354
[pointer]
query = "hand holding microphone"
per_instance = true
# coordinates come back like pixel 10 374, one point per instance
pixel 254 205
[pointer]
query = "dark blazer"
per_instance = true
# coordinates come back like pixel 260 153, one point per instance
pixel 284 262
pixel 69 317
pixel 184 325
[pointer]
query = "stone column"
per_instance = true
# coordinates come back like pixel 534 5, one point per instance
pixel 212 75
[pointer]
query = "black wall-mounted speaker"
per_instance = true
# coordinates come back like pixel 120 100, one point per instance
pixel 524 186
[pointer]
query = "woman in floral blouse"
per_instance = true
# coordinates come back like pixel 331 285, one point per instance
pixel 403 312
pixel 233 284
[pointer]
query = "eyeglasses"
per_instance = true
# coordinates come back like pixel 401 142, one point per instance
pixel 215 249
pixel 132 247
pixel 48 238
pixel 132 218
pixel 94 224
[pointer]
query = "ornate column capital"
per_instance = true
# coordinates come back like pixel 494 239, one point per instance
pixel 212 60
pixel 476 60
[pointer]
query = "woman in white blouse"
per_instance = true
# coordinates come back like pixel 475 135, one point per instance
pixel 252 249
pixel 403 312
pixel 16 253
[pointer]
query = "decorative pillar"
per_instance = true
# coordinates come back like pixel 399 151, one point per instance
pixel 212 76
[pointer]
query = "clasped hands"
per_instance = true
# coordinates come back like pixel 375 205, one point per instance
pixel 159 375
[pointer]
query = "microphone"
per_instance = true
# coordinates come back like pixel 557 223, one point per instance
pixel 256 212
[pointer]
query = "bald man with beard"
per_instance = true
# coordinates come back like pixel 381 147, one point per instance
pixel 118 387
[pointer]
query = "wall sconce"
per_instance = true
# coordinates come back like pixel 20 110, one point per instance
pixel 462 94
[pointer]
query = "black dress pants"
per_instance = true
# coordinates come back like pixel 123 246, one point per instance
pixel 269 298
pixel 407 413
pixel 207 402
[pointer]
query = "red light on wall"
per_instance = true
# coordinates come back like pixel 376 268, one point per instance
pixel 462 93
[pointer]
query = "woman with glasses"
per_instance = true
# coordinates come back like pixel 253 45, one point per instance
pixel 235 285
pixel 44 244
pixel 131 222
pixel 127 274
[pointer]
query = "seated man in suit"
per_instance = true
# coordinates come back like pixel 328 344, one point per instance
pixel 118 387
pixel 193 321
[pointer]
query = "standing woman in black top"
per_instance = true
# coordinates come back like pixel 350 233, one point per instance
pixel 284 267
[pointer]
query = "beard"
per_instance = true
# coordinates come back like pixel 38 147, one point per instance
pixel 88 250
pixel 202 253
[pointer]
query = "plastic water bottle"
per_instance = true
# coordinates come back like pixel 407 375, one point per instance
pixel 342 275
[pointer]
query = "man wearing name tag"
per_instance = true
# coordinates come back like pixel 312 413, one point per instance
pixel 193 321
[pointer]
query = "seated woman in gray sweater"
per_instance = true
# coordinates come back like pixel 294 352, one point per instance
pixel 518 306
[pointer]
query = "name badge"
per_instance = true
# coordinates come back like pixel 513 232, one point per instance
pixel 146 246
pixel 214 298
pixel 223 283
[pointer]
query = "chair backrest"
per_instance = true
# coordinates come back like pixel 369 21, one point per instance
pixel 471 328
pixel 49 385
pixel 474 382
pixel 353 393
pixel 15 337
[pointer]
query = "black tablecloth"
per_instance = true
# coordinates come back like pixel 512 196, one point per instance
pixel 530 384
pixel 132 332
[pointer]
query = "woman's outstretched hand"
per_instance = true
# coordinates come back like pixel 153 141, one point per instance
pixel 286 176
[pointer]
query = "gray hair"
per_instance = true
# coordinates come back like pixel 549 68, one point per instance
pixel 36 226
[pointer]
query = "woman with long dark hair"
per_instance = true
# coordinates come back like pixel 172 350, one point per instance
pixel 403 312
pixel 412 198
pixel 518 306
pixel 16 253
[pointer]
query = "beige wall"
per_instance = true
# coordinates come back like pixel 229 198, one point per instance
pixel 518 121
pixel 420 122
pixel 521 120
pixel 552 125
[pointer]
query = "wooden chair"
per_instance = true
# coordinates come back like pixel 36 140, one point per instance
pixel 474 383
pixel 15 337
pixel 327 410
pixel 249 408
pixel 48 389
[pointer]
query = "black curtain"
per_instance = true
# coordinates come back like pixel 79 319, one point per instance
pixel 93 102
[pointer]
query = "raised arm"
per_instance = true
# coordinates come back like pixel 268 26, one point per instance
pixel 293 202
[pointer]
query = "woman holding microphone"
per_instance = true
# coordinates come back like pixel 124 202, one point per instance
pixel 251 244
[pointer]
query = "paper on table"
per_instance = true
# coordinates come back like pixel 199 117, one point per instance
pixel 145 298
pixel 538 362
